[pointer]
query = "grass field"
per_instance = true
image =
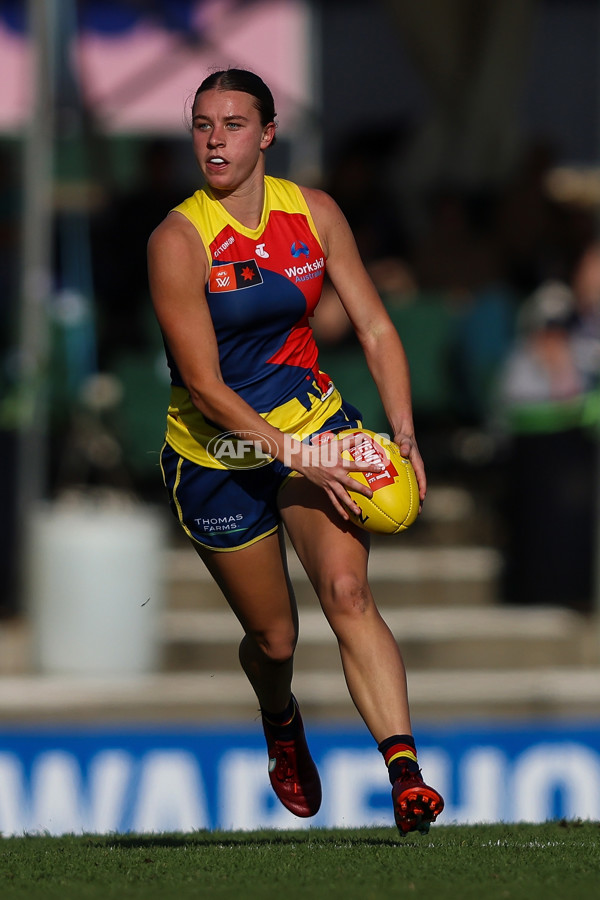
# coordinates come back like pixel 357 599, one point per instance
pixel 553 860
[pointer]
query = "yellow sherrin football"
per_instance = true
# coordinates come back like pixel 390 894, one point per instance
pixel 395 501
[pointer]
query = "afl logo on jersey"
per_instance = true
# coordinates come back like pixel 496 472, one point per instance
pixel 298 249
pixel 234 276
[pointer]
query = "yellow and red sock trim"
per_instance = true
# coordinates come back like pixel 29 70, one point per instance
pixel 280 724
pixel 399 751
pixel 282 719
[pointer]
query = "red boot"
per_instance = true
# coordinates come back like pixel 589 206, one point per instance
pixel 293 774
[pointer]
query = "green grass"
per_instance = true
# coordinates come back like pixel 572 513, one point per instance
pixel 484 862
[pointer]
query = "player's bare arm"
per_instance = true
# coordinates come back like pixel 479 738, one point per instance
pixel 375 331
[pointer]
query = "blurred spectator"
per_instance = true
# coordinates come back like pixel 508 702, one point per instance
pixel 527 223
pixel 539 235
pixel 456 252
pixel 356 185
pixel 586 289
pixel 546 394
pixel 9 243
pixel 458 257
pixel 120 236
pixel 9 255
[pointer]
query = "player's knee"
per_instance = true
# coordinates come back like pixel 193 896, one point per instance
pixel 346 596
pixel 278 645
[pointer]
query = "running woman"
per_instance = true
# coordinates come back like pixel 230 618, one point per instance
pixel 236 272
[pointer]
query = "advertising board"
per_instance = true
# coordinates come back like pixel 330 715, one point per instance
pixel 59 780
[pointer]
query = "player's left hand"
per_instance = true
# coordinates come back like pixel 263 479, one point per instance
pixel 409 449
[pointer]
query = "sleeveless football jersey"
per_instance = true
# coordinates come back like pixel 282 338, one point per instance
pixel 263 287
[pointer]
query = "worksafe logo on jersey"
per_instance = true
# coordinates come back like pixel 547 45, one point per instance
pixel 307 271
pixel 234 452
pixel 234 276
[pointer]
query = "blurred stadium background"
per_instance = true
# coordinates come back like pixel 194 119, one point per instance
pixel 462 140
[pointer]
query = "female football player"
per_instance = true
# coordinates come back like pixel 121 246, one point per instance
pixel 236 270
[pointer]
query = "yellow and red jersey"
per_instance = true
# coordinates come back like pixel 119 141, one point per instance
pixel 263 287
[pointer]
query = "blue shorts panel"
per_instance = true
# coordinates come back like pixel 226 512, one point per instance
pixel 227 509
pixel 222 509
